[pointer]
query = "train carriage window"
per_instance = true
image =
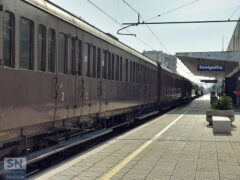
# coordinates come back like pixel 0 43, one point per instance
pixel 89 72
pixel 144 74
pixel 51 50
pixel 109 65
pixel 137 76
pixel 139 73
pixel 79 57
pixel 148 77
pixel 72 56
pixel 86 61
pixel 94 62
pixel 104 64
pixel 130 71
pixel 134 72
pixel 41 48
pixel 113 67
pixel 8 40
pixel 156 78
pixel 99 63
pixel 120 69
pixel 126 64
pixel 26 44
pixel 151 76
pixel 62 53
pixel 117 69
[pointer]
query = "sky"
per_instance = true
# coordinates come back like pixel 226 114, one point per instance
pixel 172 38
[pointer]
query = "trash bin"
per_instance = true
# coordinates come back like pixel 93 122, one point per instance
pixel 213 99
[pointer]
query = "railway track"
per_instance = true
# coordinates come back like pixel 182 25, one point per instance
pixel 41 160
pixel 78 144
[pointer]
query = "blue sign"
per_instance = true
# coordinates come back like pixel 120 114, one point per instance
pixel 14 168
pixel 204 67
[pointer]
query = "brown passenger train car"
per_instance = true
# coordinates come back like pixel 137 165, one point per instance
pixel 60 75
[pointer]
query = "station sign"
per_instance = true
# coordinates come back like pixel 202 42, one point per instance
pixel 205 67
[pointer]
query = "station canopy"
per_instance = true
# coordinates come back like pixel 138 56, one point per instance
pixel 211 64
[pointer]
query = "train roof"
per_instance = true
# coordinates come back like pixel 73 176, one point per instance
pixel 170 71
pixel 59 12
pixel 173 72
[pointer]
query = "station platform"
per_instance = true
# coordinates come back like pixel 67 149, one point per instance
pixel 177 145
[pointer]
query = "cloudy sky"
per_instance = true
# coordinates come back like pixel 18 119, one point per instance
pixel 172 38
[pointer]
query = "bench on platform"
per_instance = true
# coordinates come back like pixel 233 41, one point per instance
pixel 221 125
pixel 222 113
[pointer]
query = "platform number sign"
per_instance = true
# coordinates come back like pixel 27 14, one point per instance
pixel 14 168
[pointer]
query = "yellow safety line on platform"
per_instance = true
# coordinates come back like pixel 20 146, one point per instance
pixel 118 167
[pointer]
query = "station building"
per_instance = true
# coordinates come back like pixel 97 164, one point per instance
pixel 224 66
pixel 164 59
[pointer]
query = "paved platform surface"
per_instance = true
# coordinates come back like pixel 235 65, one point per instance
pixel 178 145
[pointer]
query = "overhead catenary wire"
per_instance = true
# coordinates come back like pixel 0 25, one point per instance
pixel 189 73
pixel 186 73
pixel 117 22
pixel 234 12
pixel 172 10
pixel 155 36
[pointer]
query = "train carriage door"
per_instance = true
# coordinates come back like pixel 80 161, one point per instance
pixel 86 78
pixel 100 81
pixel 79 80
pixel 103 83
pixel 96 83
pixel 61 82
pixel 4 38
pixel 71 70
pixel 83 81
pixel 66 73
